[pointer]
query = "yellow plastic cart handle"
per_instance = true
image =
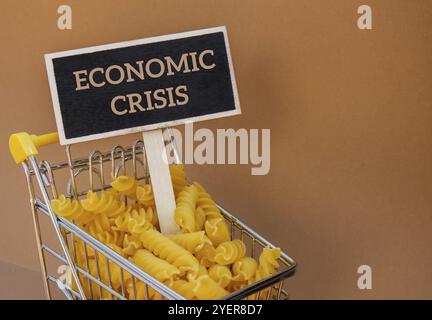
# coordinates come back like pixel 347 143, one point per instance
pixel 23 145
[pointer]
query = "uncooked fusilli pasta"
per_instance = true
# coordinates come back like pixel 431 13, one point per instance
pixel 184 213
pixel 192 242
pixel 178 177
pixel 106 202
pixel 167 249
pixel 144 195
pixel 133 221
pixel 125 185
pixel 205 288
pixel 199 262
pixel 131 244
pixel 217 230
pixel 244 269
pixel 154 266
pixel 268 263
pixel 206 255
pixel 183 287
pixel 71 210
pixel 221 274
pixel 229 252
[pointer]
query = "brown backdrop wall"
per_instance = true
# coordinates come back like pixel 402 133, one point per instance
pixel 349 112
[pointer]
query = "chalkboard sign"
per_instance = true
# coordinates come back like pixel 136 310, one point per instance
pixel 142 85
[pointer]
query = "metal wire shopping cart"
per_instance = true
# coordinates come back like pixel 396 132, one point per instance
pixel 24 148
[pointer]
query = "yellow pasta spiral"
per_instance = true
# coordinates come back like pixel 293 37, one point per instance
pixel 205 288
pixel 183 287
pixel 151 215
pixel 200 219
pixel 107 269
pixel 206 255
pixel 99 224
pixel 115 273
pixel 106 202
pixel 267 266
pixel 109 237
pixel 178 177
pixel 131 244
pixel 201 271
pixel 77 249
pixel 118 208
pixel 221 274
pixel 133 221
pixel 167 249
pixel 139 223
pixel 154 266
pixel 206 203
pixel 217 230
pixel 141 291
pixel 244 269
pixel 71 210
pixel 192 242
pixel 268 263
pixel 184 214
pixel 125 185
pixel 144 195
pixel 121 222
pixel 229 252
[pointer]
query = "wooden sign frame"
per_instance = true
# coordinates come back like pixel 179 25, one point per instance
pixel 56 102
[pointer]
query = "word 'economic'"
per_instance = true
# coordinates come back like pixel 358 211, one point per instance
pixel 141 70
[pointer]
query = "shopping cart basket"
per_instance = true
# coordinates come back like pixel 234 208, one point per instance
pixel 24 148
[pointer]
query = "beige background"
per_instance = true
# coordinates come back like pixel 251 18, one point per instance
pixel 350 117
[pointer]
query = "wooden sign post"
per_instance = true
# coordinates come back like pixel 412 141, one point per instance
pixel 142 86
pixel 160 180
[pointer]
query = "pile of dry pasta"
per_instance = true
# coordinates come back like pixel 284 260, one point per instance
pixel 199 262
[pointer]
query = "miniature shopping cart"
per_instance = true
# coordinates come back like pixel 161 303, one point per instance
pixel 77 174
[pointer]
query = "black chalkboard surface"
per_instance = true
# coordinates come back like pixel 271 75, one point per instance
pixel 142 85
